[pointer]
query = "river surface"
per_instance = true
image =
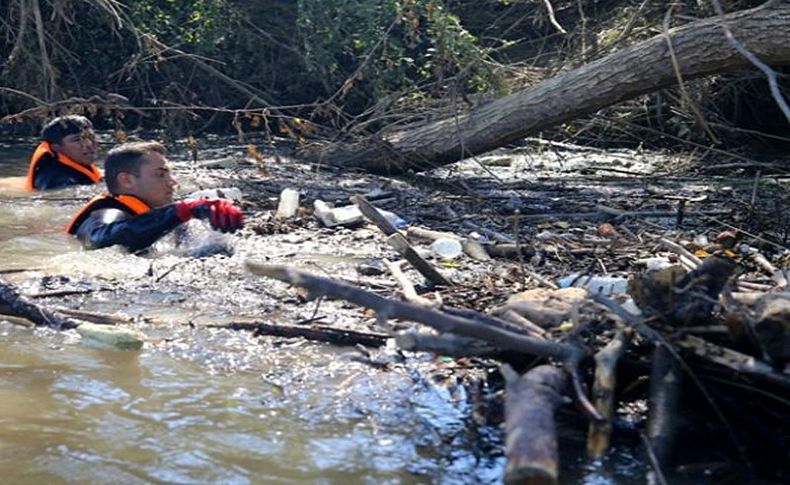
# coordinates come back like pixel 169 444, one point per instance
pixel 209 405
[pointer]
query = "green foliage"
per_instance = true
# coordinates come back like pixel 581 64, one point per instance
pixel 388 46
pixel 198 26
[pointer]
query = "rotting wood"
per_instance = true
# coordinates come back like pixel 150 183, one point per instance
pixel 402 246
pixel 409 293
pixel 570 355
pixel 387 308
pixel 449 344
pixel 318 333
pixel 530 432
pixel 603 392
pixel 771 327
pixel 732 359
pixel 37 314
pixel 665 394
pixel 399 242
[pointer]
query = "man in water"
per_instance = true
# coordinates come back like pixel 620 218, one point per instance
pixel 139 207
pixel 66 156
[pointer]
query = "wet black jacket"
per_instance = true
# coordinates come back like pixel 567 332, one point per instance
pixel 51 174
pixel 109 223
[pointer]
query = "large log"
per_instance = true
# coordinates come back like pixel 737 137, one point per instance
pixel 531 435
pixel 700 49
pixel 604 387
pixel 665 393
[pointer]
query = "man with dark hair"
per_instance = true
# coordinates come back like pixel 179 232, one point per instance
pixel 66 156
pixel 139 208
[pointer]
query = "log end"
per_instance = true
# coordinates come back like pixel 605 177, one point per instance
pixel 531 473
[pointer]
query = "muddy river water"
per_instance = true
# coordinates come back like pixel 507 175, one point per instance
pixel 209 405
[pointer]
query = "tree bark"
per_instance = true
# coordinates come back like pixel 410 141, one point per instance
pixel 531 444
pixel 700 48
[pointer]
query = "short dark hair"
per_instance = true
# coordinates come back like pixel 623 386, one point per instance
pixel 127 158
pixel 62 126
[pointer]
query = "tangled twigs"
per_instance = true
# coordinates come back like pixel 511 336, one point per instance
pixel 453 323
pixel 43 110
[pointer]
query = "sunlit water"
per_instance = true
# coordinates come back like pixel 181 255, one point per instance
pixel 208 405
pixel 196 404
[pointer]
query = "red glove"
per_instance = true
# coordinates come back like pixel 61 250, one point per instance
pixel 221 213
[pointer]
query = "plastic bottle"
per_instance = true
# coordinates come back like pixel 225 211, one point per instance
pixel 599 284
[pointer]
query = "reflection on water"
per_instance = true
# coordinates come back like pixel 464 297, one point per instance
pixel 71 412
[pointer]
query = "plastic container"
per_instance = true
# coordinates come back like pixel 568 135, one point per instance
pixel 598 284
pixel 289 204
pixel 447 248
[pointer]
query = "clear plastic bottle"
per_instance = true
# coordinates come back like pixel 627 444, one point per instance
pixel 598 284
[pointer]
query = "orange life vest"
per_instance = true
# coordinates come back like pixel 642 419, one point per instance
pixel 127 203
pixel 44 148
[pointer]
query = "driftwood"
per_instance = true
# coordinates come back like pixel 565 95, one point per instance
pixel 699 49
pixel 603 392
pixel 402 246
pixel 510 250
pixel 665 392
pixel 734 360
pixel 452 345
pixel 95 317
pixel 771 327
pixel 319 333
pixel 23 307
pixel 399 242
pixel 531 435
pixel 409 293
pixel 457 322
pixel 526 324
pixel 471 246
pixel 443 322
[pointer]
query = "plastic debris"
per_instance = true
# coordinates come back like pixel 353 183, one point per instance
pixel 596 284
pixel 289 204
pixel 447 248
pixel 349 215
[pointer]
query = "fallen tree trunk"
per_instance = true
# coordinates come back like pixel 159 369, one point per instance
pixel 665 394
pixel 531 443
pixel 700 49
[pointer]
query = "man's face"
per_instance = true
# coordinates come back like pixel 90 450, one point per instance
pixel 155 184
pixel 80 147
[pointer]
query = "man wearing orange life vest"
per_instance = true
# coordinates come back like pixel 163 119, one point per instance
pixel 66 155
pixel 139 207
